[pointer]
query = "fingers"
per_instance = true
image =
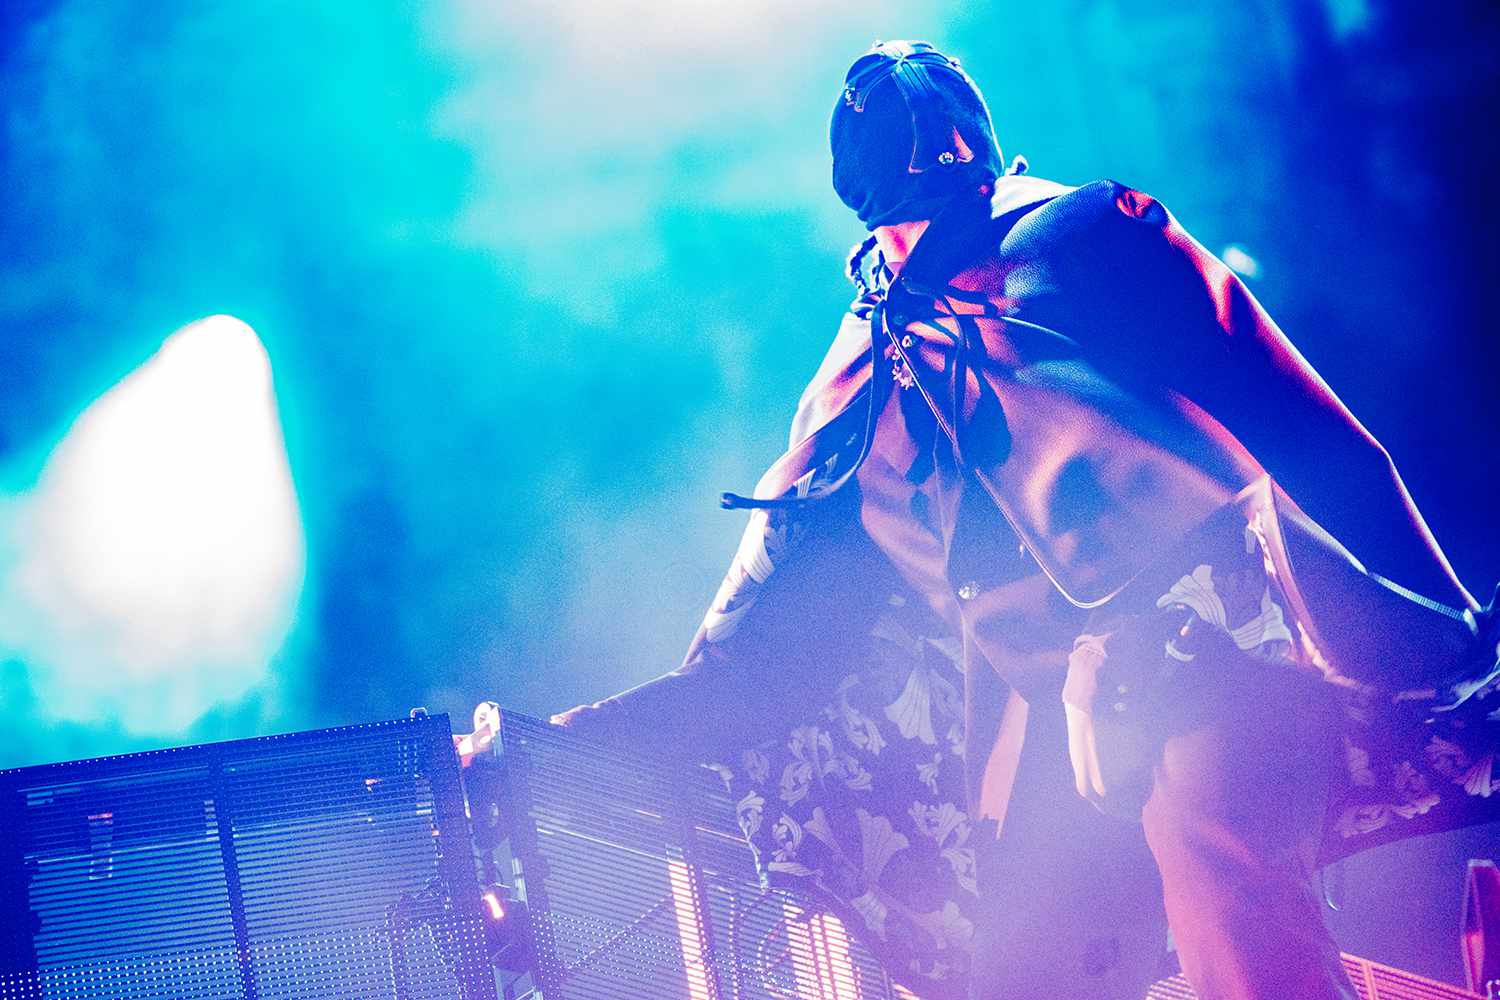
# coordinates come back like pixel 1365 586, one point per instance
pixel 1083 754
pixel 486 728
pixel 566 718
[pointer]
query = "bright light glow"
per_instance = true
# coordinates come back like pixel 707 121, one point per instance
pixel 154 569
pixel 497 908
pixel 819 947
pixel 800 944
pixel 689 930
pixel 1240 261
pixel 833 945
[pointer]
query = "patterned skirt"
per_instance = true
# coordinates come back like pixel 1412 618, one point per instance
pixel 1258 587
pixel 862 805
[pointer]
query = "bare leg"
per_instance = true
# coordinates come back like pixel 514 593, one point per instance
pixel 1069 902
pixel 1234 821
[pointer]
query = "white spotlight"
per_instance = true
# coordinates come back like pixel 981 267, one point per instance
pixel 156 565
pixel 1240 261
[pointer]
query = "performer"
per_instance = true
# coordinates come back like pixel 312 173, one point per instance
pixel 1074 436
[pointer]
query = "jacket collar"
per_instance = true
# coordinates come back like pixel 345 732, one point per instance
pixel 967 229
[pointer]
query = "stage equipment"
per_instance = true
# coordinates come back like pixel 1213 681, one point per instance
pixel 326 865
pixel 339 864
pixel 637 881
pixel 1372 981
pixel 1481 928
pixel 640 887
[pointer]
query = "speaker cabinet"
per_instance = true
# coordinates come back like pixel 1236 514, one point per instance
pixel 638 885
pixel 325 865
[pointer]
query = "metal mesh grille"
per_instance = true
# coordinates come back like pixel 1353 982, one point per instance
pixel 1394 984
pixel 640 885
pixel 102 851
pixel 1372 981
pixel 322 865
pixel 1175 988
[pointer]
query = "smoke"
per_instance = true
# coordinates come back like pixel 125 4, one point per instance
pixel 533 279
pixel 591 124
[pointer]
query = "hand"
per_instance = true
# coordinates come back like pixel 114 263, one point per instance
pixel 1079 694
pixel 482 739
pixel 567 718
pixel 1486 626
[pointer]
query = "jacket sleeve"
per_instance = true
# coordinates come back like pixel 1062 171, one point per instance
pixel 786 619
pixel 795 604
pixel 1157 304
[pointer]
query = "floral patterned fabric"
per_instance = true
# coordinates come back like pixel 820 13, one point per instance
pixel 862 806
pixel 1409 770
pixel 1409 775
pixel 861 803
pixel 862 798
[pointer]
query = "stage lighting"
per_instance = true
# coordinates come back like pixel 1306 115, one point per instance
pixel 1240 261
pixel 155 566
pixel 506 930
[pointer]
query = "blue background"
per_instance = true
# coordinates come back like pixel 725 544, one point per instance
pixel 538 280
